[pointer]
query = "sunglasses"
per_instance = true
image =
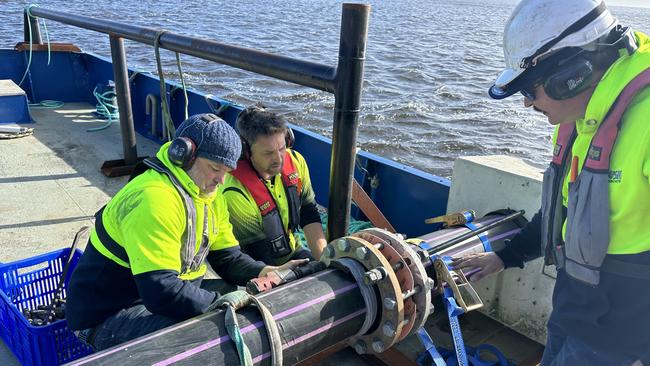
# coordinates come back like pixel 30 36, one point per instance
pixel 529 91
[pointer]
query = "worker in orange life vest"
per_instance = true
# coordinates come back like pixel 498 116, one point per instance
pixel 269 195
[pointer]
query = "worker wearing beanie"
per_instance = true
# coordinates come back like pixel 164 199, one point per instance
pixel 143 267
pixel 589 75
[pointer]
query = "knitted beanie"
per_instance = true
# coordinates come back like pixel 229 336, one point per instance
pixel 214 138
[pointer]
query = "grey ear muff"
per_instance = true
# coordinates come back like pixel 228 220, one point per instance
pixel 182 152
pixel 573 78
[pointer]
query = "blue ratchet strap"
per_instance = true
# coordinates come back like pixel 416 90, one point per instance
pixel 483 236
pixel 474 355
pixel 430 347
pixel 453 311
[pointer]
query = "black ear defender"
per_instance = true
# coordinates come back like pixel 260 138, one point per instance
pixel 182 150
pixel 576 73
pixel 572 78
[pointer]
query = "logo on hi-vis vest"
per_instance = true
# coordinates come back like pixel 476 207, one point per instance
pixel 615 176
pixel 293 176
pixel 594 153
pixel 556 149
pixel 265 205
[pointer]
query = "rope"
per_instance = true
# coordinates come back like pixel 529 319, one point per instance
pixel 28 10
pixel 47 104
pixel 167 119
pixel 47 38
pixel 180 72
pixel 29 25
pixel 105 108
pixel 236 300
pixel 12 132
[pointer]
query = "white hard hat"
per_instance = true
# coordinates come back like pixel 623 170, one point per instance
pixel 538 28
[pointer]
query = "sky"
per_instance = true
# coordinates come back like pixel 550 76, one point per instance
pixel 639 3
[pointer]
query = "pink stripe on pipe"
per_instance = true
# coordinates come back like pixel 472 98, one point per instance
pixel 312 333
pixel 276 317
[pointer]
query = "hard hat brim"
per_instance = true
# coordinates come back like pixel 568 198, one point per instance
pixel 501 88
pixel 512 81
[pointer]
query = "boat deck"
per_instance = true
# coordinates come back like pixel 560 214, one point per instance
pixel 51 184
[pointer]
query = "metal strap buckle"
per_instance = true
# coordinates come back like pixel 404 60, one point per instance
pixel 464 293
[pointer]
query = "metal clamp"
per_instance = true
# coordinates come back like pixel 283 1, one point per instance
pixel 464 293
pixel 422 298
pixel 387 283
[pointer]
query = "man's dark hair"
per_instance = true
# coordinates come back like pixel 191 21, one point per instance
pixel 255 121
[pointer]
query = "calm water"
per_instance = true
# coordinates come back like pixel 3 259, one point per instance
pixel 428 67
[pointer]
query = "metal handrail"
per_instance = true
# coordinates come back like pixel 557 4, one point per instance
pixel 301 72
pixel 345 82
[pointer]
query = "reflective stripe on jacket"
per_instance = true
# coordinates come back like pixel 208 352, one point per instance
pixel 149 221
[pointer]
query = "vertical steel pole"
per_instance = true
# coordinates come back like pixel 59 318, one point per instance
pixel 123 92
pixel 349 81
pixel 36 37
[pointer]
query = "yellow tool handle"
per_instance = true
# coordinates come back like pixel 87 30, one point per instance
pixel 452 219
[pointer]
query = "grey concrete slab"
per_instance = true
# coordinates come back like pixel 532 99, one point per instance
pixel 51 183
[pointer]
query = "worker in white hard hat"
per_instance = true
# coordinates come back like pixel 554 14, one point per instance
pixel 572 61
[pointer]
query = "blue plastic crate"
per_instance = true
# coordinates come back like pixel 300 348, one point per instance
pixel 26 284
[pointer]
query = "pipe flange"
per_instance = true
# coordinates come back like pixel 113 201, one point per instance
pixel 422 299
pixel 380 274
pixel 404 277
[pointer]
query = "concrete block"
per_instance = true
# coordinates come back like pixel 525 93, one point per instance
pixel 520 299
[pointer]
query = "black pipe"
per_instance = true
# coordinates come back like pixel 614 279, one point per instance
pixel 312 314
pixel 349 79
pixel 301 72
pixel 36 37
pixel 123 95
